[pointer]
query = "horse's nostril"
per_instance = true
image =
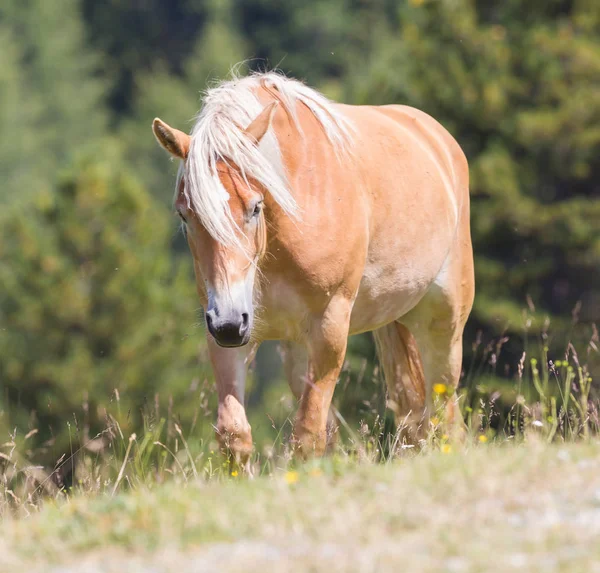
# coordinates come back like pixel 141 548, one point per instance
pixel 244 325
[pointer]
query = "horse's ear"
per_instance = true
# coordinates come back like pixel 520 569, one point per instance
pixel 260 125
pixel 174 141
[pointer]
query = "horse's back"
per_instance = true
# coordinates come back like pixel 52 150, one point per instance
pixel 426 132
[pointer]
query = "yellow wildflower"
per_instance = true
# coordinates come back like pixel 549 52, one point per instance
pixel 446 448
pixel 291 477
pixel 435 421
pixel 483 439
pixel 439 388
pixel 234 474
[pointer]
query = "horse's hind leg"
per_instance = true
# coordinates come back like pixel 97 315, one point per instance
pixel 440 344
pixel 401 364
pixel 425 352
pixel 437 324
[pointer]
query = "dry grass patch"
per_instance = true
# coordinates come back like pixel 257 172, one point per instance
pixel 491 508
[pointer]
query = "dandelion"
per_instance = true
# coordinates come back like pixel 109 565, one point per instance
pixel 446 449
pixel 439 388
pixel 234 474
pixel 291 477
pixel 483 439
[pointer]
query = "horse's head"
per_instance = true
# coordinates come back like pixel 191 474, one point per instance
pixel 225 269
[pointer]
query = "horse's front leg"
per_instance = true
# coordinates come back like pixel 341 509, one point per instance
pixel 232 429
pixel 326 343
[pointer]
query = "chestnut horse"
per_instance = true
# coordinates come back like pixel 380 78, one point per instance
pixel 310 220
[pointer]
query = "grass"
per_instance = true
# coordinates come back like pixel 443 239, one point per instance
pixel 521 492
pixel 533 507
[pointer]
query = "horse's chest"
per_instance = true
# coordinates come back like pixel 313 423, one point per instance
pixel 285 310
pixel 388 289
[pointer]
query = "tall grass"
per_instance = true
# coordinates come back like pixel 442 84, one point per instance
pixel 550 398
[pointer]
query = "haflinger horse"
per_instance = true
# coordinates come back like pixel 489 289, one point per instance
pixel 309 221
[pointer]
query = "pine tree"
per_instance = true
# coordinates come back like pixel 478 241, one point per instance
pixel 51 95
pixel 178 97
pixel 19 146
pixel 91 303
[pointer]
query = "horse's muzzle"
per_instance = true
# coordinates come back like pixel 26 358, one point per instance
pixel 229 332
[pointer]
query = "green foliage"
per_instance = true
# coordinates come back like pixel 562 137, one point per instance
pixel 92 306
pixel 18 146
pixel 51 98
pixel 177 98
pixel 134 36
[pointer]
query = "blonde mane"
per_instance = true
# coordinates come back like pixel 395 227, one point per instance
pixel 218 136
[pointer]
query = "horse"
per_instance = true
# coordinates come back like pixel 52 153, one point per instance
pixel 309 221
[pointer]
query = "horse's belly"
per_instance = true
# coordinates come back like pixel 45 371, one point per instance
pixel 385 296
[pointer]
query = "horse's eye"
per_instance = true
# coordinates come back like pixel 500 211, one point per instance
pixel 182 217
pixel 257 209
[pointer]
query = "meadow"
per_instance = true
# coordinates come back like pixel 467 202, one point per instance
pixel 523 495
pixel 485 507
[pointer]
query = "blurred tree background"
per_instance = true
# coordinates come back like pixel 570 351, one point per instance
pixel 97 304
